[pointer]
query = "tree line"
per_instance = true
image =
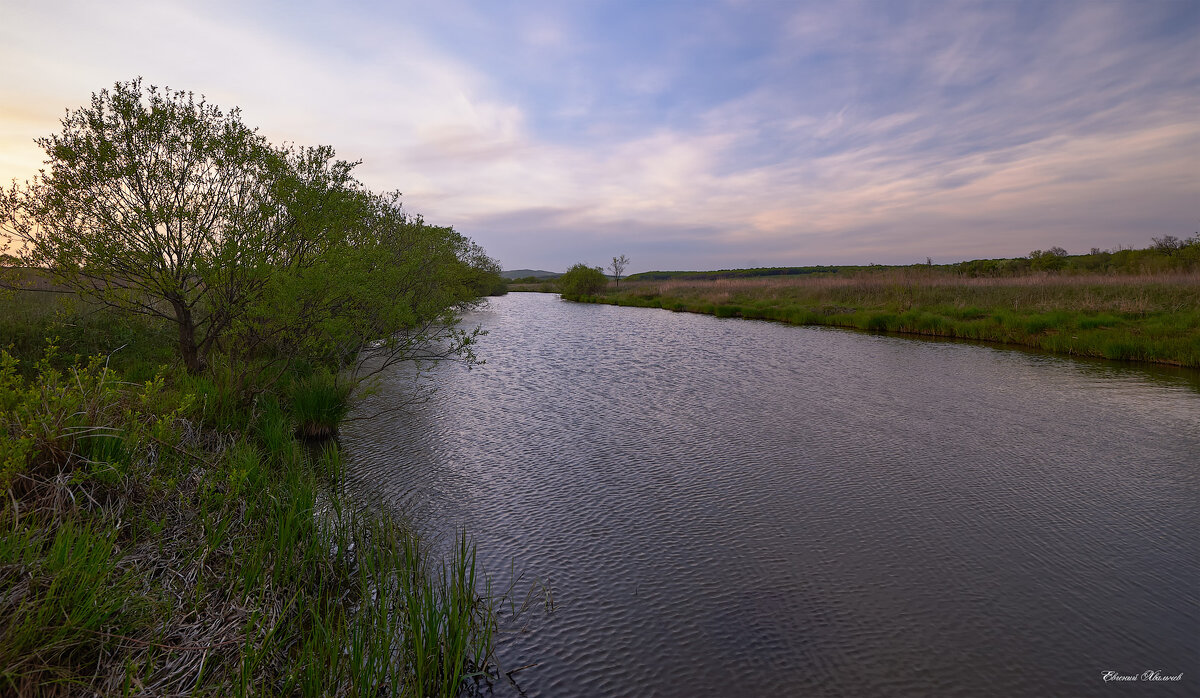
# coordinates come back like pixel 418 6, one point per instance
pixel 1165 254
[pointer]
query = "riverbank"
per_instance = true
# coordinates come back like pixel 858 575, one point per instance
pixel 160 534
pixel 1135 318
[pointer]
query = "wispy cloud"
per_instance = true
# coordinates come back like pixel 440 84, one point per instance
pixel 686 136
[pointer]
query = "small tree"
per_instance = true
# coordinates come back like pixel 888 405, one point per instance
pixel 582 280
pixel 1167 244
pixel 618 268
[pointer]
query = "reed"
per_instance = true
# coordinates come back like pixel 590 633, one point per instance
pixel 319 402
pixel 1153 318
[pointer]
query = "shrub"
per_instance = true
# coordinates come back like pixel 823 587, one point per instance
pixel 582 280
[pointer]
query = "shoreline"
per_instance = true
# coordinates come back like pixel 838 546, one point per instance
pixel 1142 319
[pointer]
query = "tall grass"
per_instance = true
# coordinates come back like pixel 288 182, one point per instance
pixel 82 329
pixel 319 401
pixel 1142 318
pixel 71 591
pixel 149 546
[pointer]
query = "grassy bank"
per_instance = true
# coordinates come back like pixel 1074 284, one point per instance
pixel 161 535
pixel 1138 318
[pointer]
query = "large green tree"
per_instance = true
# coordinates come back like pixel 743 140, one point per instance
pixel 157 202
pixel 389 288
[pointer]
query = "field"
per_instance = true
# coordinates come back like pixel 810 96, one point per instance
pixel 1154 318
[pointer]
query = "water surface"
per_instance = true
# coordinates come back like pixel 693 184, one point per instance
pixel 728 507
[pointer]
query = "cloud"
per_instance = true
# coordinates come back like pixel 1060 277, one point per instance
pixel 705 135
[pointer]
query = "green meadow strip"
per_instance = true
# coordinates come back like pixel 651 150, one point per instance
pixel 1152 319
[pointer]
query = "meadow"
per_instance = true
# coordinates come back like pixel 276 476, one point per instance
pixel 1136 317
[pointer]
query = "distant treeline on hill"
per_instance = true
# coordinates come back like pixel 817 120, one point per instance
pixel 1166 254
pixel 736 273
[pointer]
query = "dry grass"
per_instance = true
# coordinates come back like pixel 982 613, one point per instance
pixel 1043 292
pixel 1153 318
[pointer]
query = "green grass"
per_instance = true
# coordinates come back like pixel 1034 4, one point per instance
pixel 1136 318
pixel 167 536
pixel 71 590
pixel 319 401
pixel 138 346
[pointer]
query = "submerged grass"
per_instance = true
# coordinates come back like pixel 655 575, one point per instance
pixel 1137 318
pixel 158 537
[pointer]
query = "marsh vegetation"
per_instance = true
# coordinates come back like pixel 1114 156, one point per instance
pixel 1151 317
pixel 183 300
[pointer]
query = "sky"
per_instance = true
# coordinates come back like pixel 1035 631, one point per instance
pixel 685 135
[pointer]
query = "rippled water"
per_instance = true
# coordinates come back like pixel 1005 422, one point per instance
pixel 728 507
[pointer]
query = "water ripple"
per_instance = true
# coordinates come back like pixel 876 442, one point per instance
pixel 730 507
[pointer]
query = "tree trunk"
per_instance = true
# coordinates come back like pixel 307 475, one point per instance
pixel 187 338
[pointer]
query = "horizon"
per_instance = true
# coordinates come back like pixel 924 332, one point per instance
pixel 698 136
pixel 1119 248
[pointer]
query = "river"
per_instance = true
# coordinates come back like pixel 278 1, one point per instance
pixel 727 507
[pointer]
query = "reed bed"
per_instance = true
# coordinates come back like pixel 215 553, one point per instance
pixel 1153 318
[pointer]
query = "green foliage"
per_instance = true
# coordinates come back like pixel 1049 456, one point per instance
pixel 58 421
pixel 389 290
pixel 481 273
pixel 162 531
pixel 158 203
pixel 1052 259
pixel 582 280
pixel 1166 254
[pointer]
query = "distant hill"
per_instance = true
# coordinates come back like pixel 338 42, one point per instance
pixel 522 273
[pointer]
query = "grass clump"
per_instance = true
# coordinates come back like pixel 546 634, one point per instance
pixel 319 401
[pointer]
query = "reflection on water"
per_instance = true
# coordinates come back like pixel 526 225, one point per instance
pixel 733 507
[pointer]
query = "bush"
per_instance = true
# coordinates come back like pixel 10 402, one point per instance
pixel 582 280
